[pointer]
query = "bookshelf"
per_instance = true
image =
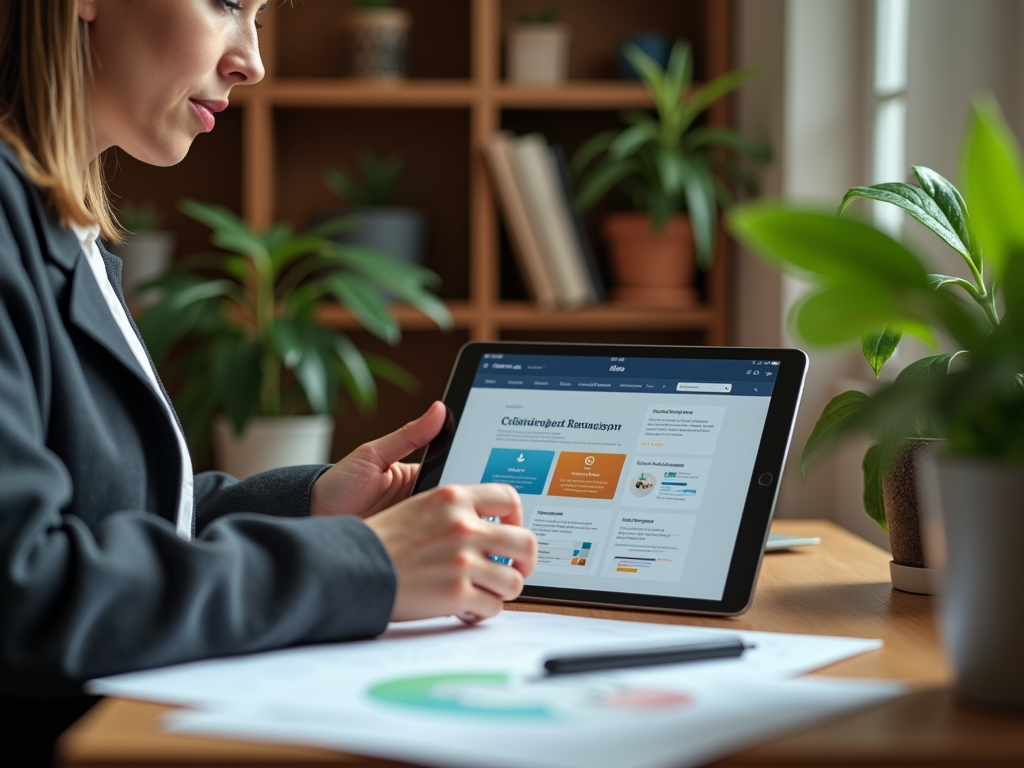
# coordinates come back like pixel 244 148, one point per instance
pixel 268 153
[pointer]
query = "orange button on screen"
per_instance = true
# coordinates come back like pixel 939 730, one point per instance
pixel 587 475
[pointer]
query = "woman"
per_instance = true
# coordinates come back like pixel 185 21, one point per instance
pixel 112 556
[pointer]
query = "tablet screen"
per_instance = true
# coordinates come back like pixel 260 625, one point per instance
pixel 633 471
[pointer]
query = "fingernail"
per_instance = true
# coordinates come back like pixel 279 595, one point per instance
pixel 469 618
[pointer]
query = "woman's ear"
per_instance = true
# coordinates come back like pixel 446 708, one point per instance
pixel 87 10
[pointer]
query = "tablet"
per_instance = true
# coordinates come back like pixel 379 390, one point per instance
pixel 649 474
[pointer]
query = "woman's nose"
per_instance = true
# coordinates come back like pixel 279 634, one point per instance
pixel 242 64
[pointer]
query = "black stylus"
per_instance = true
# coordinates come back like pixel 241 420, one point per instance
pixel 588 662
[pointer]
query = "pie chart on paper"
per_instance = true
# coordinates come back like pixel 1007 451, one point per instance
pixel 498 695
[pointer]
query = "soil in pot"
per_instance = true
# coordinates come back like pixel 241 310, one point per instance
pixel 649 267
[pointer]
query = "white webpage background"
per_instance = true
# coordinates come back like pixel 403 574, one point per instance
pixel 710 548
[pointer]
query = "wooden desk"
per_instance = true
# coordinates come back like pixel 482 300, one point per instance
pixel 839 588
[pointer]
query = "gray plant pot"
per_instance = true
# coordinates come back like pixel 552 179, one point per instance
pixel 146 256
pixel 979 503
pixel 398 232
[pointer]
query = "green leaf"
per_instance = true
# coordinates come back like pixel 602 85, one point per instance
pixel 357 376
pixel 299 246
pixel 365 302
pixel 276 236
pixel 952 204
pixel 431 306
pixel 713 136
pixel 390 371
pixel 382 268
pixel 704 97
pixel 874 504
pixel 229 229
pixel 699 192
pixel 938 281
pixel 840 315
pixel 315 371
pixel 650 72
pixel 839 417
pixel 601 179
pixel 679 70
pixel 177 313
pixel 631 139
pixel 991 168
pixel 591 148
pixel 237 375
pixel 918 204
pixel 334 226
pixel 288 341
pixel 879 346
pixel 835 252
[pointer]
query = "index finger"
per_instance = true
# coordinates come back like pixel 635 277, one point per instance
pixel 496 500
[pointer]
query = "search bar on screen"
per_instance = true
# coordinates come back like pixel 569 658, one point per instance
pixel 702 386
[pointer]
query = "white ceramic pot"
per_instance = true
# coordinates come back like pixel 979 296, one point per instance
pixel 982 530
pixel 375 43
pixel 269 443
pixel 146 256
pixel 537 54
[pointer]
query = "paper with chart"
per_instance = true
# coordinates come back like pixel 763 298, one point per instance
pixel 569 722
pixel 516 643
pixel 438 692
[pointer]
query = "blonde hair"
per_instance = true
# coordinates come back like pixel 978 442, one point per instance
pixel 45 69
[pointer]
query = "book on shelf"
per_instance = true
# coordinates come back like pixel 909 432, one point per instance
pixel 550 219
pixel 586 249
pixel 524 240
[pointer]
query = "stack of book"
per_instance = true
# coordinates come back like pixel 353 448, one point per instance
pixel 547 233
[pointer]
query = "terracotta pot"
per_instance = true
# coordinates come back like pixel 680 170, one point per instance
pixel 649 267
pixel 375 43
pixel 978 503
pixel 909 568
pixel 270 443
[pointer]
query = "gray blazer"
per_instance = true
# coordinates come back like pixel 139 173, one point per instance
pixel 93 579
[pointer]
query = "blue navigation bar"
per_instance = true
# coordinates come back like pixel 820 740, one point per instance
pixel 748 378
pixel 638 386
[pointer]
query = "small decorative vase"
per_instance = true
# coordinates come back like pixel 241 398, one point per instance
pixel 653 268
pixel 271 442
pixel 537 54
pixel 908 569
pixel 146 256
pixel 375 43
pixel 978 501
pixel 654 44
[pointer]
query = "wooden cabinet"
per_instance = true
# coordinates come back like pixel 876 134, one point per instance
pixel 269 151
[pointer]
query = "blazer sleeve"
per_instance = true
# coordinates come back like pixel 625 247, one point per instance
pixel 79 602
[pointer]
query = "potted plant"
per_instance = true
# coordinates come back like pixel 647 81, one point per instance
pixel 537 49
pixel 146 251
pixel 376 35
pixel 378 222
pixel 862 281
pixel 677 174
pixel 890 482
pixel 257 358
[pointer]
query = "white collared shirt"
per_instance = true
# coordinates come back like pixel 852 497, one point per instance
pixel 87 238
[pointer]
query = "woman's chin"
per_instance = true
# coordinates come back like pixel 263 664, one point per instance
pixel 164 154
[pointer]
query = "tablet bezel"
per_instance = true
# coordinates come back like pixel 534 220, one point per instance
pixel 760 501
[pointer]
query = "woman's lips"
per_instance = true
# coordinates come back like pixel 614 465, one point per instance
pixel 205 110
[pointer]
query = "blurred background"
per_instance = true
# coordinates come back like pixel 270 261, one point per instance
pixel 435 126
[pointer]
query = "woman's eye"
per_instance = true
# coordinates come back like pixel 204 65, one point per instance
pixel 233 5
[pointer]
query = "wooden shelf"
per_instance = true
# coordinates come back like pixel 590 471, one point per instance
pixel 339 92
pixel 523 315
pixel 597 94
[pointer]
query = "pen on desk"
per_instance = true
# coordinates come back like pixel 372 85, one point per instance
pixel 588 662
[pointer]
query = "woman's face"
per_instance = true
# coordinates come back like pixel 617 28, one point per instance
pixel 162 68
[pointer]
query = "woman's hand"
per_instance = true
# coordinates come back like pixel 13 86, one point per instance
pixel 440 547
pixel 372 477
